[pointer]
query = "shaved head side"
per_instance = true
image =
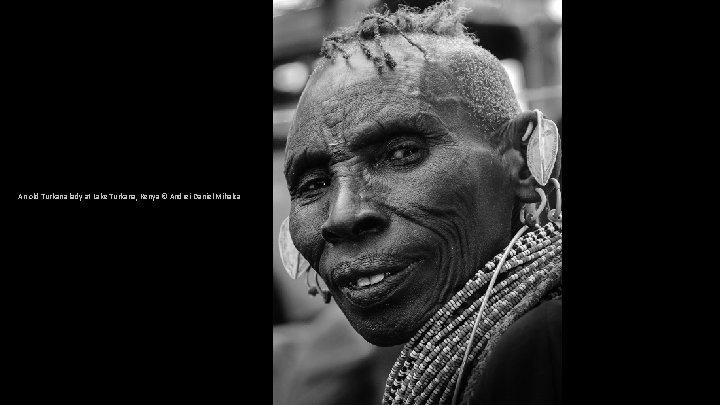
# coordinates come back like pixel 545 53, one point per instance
pixel 485 84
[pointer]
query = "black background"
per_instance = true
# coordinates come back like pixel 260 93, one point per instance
pixel 119 299
pixel 168 301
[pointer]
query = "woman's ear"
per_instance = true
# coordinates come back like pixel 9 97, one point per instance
pixel 532 152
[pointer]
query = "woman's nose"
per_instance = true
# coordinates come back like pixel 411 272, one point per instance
pixel 352 218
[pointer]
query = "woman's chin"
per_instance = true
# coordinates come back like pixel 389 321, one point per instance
pixel 386 338
pixel 388 328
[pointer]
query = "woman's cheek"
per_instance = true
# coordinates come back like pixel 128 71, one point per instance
pixel 305 229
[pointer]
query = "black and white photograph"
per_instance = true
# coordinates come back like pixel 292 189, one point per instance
pixel 417 202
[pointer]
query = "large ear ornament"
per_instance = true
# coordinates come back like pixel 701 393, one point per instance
pixel 294 263
pixel 542 148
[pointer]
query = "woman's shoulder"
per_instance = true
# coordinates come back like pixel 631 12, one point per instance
pixel 526 365
pixel 544 322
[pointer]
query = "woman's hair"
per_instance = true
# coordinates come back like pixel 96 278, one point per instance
pixel 441 19
pixel 438 30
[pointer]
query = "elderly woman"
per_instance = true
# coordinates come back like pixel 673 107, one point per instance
pixel 418 193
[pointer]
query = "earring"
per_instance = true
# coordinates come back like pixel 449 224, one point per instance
pixel 530 213
pixel 315 289
pixel 542 147
pixel 542 141
pixel 555 215
pixel 326 295
pixel 295 264
pixel 312 290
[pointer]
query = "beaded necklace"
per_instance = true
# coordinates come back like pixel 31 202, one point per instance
pixel 427 369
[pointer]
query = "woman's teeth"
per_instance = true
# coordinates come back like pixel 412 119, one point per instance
pixel 365 281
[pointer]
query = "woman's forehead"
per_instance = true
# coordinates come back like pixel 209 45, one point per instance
pixel 343 96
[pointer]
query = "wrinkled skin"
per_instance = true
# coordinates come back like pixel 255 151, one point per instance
pixel 390 173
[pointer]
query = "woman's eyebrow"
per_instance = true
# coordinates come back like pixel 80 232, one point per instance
pixel 299 163
pixel 382 129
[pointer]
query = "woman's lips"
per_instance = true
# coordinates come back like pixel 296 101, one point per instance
pixel 370 280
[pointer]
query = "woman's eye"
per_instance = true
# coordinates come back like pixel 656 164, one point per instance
pixel 404 154
pixel 314 185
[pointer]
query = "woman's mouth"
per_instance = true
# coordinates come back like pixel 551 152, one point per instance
pixel 366 281
pixel 371 280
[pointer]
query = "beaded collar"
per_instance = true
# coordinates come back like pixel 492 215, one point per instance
pixel 428 366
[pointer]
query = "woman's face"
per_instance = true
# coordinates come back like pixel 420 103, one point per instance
pixel 396 199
